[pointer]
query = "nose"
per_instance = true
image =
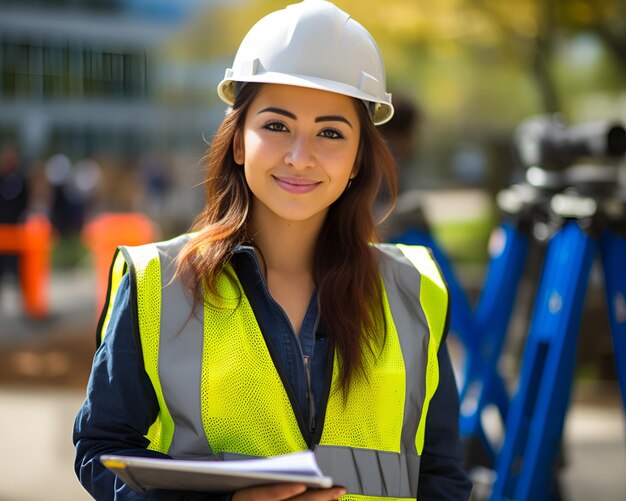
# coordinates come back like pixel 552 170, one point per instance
pixel 300 154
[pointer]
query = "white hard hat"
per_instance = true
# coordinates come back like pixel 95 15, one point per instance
pixel 312 44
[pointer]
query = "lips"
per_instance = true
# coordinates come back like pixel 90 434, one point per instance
pixel 296 185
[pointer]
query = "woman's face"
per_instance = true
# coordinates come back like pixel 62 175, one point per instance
pixel 298 148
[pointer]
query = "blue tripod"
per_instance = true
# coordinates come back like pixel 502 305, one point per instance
pixel 526 462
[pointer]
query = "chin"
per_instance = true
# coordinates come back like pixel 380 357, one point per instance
pixel 299 215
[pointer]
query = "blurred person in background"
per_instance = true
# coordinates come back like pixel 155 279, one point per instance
pixel 155 177
pixel 156 182
pixel 401 134
pixel 71 187
pixel 14 200
pixel 71 194
pixel 268 330
pixel 58 173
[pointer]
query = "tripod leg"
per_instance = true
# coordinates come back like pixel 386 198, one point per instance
pixel 535 423
pixel 613 249
pixel 483 384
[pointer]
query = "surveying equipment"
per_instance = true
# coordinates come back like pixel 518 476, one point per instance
pixel 538 209
pixel 587 214
pixel 481 330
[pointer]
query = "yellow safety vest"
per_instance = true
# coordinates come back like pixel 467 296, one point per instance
pixel 220 393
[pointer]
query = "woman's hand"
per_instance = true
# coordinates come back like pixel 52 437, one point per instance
pixel 293 492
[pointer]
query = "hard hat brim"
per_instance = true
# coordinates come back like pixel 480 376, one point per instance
pixel 383 110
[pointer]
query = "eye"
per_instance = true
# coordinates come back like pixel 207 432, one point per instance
pixel 276 126
pixel 331 134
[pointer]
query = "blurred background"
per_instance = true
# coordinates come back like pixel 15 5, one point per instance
pixel 106 110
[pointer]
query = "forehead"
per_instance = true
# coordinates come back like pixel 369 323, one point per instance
pixel 304 101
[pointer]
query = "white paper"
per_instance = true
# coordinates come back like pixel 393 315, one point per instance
pixel 297 463
pixel 217 476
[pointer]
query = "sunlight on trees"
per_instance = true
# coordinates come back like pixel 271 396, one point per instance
pixel 476 67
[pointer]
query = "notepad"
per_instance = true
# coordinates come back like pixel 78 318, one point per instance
pixel 216 476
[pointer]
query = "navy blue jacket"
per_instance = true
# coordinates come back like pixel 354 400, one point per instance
pixel 121 405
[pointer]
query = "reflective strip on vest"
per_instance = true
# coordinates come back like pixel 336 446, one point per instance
pixel 180 340
pixel 434 298
pixel 369 472
pixel 214 390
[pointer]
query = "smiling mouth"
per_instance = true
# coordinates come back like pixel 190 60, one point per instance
pixel 296 184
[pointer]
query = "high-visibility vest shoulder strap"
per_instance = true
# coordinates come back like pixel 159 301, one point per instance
pixel 119 267
pixel 137 259
pixel 429 294
pixel 144 264
pixel 433 289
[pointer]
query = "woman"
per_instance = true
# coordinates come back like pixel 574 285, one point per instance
pixel 276 326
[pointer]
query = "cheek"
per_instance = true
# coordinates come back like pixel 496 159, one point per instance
pixel 258 150
pixel 250 142
pixel 341 164
pixel 256 159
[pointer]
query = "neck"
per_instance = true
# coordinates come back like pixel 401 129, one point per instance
pixel 288 247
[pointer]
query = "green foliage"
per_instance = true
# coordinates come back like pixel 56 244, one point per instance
pixel 476 68
pixel 495 60
pixel 465 241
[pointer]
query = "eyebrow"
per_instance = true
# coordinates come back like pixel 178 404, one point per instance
pixel 288 114
pixel 334 118
pixel 280 111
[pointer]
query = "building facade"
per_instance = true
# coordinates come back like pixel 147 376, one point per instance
pixel 83 77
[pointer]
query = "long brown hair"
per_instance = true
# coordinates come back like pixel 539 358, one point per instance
pixel 345 269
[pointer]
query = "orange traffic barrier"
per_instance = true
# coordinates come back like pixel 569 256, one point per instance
pixel 105 233
pixel 31 242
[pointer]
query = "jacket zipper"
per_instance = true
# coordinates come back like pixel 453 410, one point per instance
pixel 309 393
pixel 307 371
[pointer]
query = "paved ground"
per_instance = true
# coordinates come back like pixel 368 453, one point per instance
pixel 44 367
pixel 37 459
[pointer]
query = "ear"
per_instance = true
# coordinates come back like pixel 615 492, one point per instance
pixel 354 172
pixel 238 149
